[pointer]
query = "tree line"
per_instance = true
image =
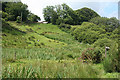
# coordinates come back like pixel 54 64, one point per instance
pixel 64 14
pixel 17 11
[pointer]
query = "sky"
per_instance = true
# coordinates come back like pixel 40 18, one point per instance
pixel 105 8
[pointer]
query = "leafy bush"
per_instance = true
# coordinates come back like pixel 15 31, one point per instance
pixel 87 32
pixel 4 15
pixel 72 30
pixel 103 42
pixel 109 23
pixel 111 60
pixel 65 27
pixel 18 19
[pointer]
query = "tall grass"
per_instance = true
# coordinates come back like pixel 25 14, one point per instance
pixel 9 54
pixel 42 69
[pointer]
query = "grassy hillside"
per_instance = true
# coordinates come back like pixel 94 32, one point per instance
pixel 43 50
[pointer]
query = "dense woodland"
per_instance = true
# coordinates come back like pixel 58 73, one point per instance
pixel 83 25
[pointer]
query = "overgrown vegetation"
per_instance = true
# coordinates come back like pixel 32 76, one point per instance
pixel 100 32
pixel 74 48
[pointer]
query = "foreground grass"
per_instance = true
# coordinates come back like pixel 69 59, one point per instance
pixel 48 69
pixel 35 68
pixel 44 51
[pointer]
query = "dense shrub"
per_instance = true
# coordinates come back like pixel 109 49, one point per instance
pixel 109 23
pixel 87 32
pixel 111 60
pixel 7 16
pixel 4 15
pixel 18 19
pixel 65 27
pixel 72 30
pixel 103 42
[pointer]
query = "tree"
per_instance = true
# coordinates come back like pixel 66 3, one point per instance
pixel 33 18
pixel 64 14
pixel 85 14
pixel 48 13
pixel 15 9
pixel 54 17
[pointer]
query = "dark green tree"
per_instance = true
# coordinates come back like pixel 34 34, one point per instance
pixel 15 9
pixel 85 14
pixel 33 18
pixel 48 13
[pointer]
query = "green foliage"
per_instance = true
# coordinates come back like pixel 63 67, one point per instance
pixel 4 15
pixel 7 16
pixel 103 42
pixel 18 19
pixel 17 11
pixel 48 69
pixel 87 32
pixel 115 35
pixel 111 62
pixel 54 17
pixel 49 13
pixel 109 23
pixel 65 27
pixel 85 14
pixel 64 14
pixel 33 18
pixel 59 21
pixel 43 50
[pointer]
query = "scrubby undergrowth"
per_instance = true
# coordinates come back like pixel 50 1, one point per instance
pixel 45 51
